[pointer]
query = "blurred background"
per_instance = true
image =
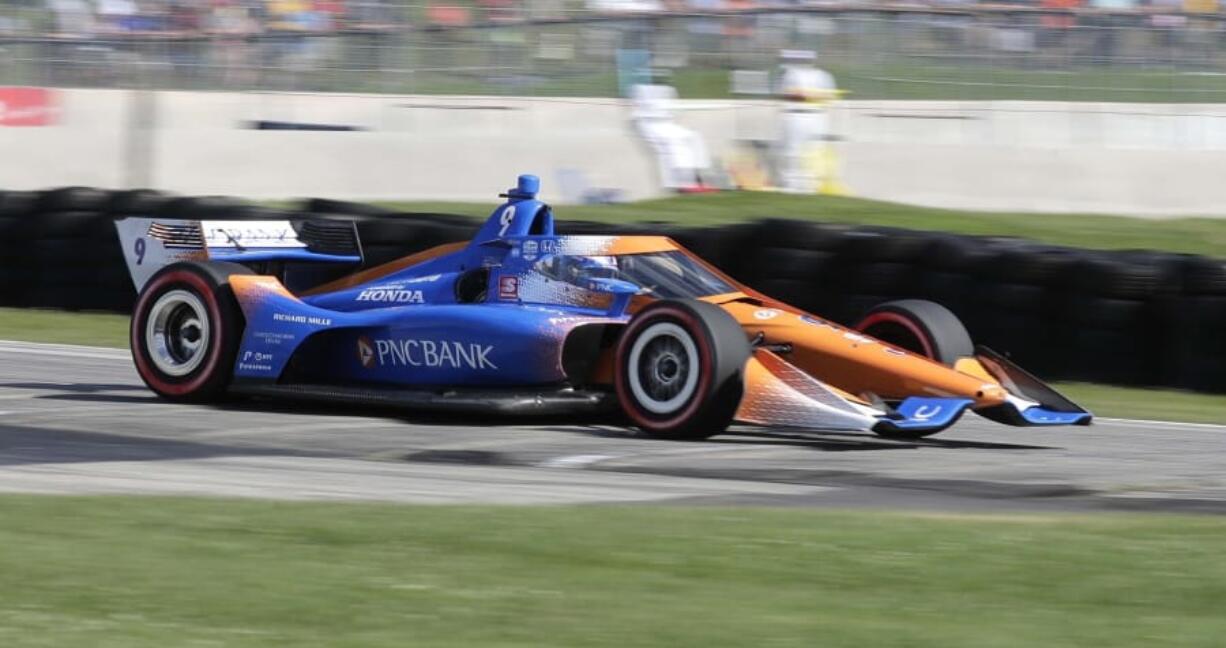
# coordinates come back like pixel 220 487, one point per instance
pixel 1055 105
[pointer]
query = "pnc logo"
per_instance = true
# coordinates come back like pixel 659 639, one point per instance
pixel 366 352
pixel 433 354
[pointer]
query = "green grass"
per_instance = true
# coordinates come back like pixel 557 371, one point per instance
pixel 62 327
pixel 135 572
pixel 911 81
pixel 1191 235
pixel 1146 403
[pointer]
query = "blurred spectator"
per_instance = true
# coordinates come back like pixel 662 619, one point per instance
pixel 804 129
pixel 331 13
pixel 625 6
pixel 72 17
pixel 232 22
pixel 116 15
pixel 1106 28
pixel 1200 6
pixel 185 18
pixel 1167 20
pixel 680 152
pixel 1056 26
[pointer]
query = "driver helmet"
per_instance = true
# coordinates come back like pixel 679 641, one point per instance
pixel 579 268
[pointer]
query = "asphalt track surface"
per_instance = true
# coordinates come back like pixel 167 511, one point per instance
pixel 77 420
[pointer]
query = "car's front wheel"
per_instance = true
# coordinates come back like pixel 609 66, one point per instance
pixel 679 369
pixel 186 329
pixel 922 327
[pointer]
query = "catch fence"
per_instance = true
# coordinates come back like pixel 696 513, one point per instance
pixel 875 52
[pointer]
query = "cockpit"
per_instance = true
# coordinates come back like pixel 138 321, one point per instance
pixel 666 275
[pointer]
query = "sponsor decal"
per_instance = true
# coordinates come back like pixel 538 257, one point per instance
pixel 272 338
pixel 766 313
pixel 508 287
pixel 255 361
pixel 926 412
pixel 256 356
pixel 391 296
pixel 28 106
pixel 244 234
pixel 302 319
pixel 244 366
pixel 857 338
pixel 531 250
pixel 434 354
pixel 427 278
pixel 366 352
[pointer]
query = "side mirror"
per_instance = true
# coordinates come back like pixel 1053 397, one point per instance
pixel 621 290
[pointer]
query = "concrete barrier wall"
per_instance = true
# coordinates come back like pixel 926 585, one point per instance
pixel 1044 156
pixel 1139 159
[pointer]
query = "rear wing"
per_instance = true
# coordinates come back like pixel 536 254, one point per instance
pixel 150 244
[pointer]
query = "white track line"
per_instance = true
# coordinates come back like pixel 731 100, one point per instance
pixel 64 350
pixel 108 353
pixel 1169 424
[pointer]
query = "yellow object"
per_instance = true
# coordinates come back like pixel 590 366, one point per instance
pixel 747 172
pixel 824 164
pixel 1200 6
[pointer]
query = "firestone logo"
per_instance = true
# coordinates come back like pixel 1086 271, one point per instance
pixel 434 354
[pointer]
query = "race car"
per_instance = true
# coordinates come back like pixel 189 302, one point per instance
pixel 523 320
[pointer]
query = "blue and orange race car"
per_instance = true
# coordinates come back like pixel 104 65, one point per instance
pixel 520 319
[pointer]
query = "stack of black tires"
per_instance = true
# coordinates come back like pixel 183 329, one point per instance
pixel 1130 317
pixel 1126 317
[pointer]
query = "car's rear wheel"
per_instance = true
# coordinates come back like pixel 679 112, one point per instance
pixel 679 369
pixel 922 327
pixel 186 329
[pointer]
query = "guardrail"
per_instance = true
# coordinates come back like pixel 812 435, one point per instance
pixel 1128 317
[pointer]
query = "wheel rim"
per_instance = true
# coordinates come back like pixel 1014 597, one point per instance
pixel 177 333
pixel 663 368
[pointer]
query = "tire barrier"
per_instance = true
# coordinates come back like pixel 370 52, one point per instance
pixel 1129 317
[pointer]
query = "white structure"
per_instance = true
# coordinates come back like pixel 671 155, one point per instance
pixel 681 154
pixel 1144 159
pixel 804 124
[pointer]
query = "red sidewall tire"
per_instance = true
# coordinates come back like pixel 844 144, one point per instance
pixel 621 379
pixel 210 376
pixel 888 317
pixel 933 330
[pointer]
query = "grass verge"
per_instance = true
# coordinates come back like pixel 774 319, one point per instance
pixel 134 572
pixel 98 329
pixel 1190 235
pixel 1148 404
pixel 63 327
